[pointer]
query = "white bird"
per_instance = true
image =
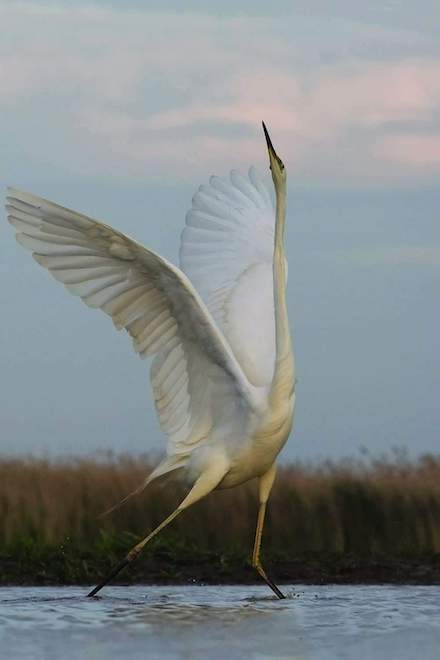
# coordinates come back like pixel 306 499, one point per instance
pixel 223 369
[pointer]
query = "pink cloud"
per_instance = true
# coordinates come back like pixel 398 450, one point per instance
pixel 310 116
pixel 367 96
pixel 378 93
pixel 310 121
pixel 144 95
pixel 418 151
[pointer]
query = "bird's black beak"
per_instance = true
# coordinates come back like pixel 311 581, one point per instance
pixel 274 159
pixel 270 148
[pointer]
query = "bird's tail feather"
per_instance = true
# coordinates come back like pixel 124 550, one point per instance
pixel 164 468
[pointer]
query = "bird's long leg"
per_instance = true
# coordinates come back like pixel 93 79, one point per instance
pixel 133 553
pixel 207 481
pixel 265 486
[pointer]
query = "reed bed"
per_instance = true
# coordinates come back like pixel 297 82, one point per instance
pixel 383 508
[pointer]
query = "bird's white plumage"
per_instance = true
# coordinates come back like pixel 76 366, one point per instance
pixel 223 368
pixel 227 252
pixel 197 382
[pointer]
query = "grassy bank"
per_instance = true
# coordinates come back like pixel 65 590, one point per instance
pixel 336 522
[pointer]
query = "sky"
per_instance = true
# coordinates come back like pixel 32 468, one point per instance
pixel 121 109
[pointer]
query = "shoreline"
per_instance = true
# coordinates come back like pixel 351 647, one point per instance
pixel 319 571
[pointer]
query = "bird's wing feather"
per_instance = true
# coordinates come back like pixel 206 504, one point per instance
pixel 193 369
pixel 227 252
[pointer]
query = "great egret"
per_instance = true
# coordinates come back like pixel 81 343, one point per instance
pixel 223 371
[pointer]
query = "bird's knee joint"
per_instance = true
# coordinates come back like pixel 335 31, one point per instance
pixel 133 554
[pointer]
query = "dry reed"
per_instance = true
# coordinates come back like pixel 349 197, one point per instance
pixel 383 508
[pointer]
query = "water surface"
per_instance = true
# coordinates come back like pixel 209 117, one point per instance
pixel 218 622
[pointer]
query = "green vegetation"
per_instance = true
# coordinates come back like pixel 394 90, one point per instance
pixel 334 522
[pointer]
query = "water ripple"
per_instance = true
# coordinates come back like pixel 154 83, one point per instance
pixel 313 623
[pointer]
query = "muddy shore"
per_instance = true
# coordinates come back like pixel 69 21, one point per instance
pixel 217 570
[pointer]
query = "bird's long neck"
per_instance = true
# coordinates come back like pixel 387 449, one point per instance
pixel 283 377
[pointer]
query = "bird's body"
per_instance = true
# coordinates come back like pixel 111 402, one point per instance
pixel 223 370
pixel 249 454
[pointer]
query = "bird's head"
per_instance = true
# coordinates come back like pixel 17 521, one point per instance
pixel 276 164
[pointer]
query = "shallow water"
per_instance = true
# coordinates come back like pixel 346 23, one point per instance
pixel 322 623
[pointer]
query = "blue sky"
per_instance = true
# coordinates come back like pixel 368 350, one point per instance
pixel 121 110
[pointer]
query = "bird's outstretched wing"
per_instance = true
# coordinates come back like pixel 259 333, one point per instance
pixel 227 252
pixel 195 376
